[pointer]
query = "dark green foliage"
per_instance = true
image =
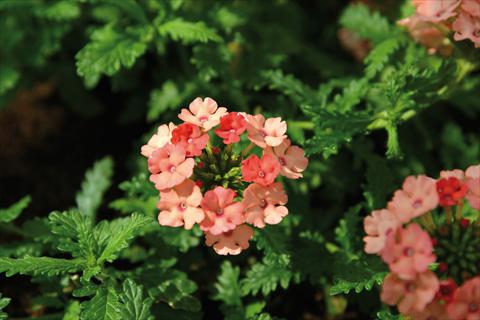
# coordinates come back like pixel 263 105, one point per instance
pixel 364 125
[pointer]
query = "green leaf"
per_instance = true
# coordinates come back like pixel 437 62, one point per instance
pixel 97 180
pixel 8 78
pixel 227 287
pixel 12 212
pixel 188 32
pixel 387 315
pixel 72 312
pixel 168 97
pixel 347 231
pixel 380 55
pixel 133 305
pixel 75 233
pixel 109 50
pixel 265 276
pixel 60 10
pixel 379 182
pixel 116 235
pixel 103 306
pixel 358 275
pixel 39 266
pixel 368 25
pixel 3 303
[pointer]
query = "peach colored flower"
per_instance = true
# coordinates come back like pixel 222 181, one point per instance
pixel 467 26
pixel 203 113
pixel 222 214
pixel 262 171
pixel 473 182
pixel 427 35
pixel 410 295
pixel 472 7
pixel 376 226
pixel 433 311
pixel 466 301
pixel 180 206
pixel 292 159
pixel 418 196
pixel 263 133
pixel 169 166
pixel 265 204
pixel 455 173
pixel 230 242
pixel 232 125
pixel 436 10
pixel 158 140
pixel 408 251
pixel 191 138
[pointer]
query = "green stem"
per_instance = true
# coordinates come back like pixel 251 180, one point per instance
pixel 306 125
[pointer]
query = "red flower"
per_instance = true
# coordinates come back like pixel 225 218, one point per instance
pixel 447 289
pixel 450 191
pixel 191 138
pixel 262 171
pixel 232 125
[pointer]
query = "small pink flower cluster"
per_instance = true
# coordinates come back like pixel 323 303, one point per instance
pixel 435 18
pixel 214 187
pixel 412 233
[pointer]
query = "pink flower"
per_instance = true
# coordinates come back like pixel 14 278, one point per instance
pixel 472 7
pixel 290 157
pixel 222 214
pixel 180 206
pixel 436 10
pixel 270 132
pixel 408 251
pixel 190 138
pixel 158 140
pixel 467 26
pixel 231 242
pixel 169 166
pixel 473 182
pixel 418 196
pixel 377 226
pixel 433 311
pixel 410 295
pixel 265 204
pixel 262 171
pixel 427 35
pixel 466 301
pixel 232 125
pixel 455 173
pixel 203 113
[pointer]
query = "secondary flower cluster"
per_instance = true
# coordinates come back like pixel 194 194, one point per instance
pixel 432 251
pixel 434 19
pixel 221 189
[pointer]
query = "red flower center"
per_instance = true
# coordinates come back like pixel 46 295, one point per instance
pixel 409 251
pixel 417 203
pixel 263 204
pixel 282 161
pixel 261 174
pixel 219 211
pixel 473 307
pixel 172 169
pixel 182 206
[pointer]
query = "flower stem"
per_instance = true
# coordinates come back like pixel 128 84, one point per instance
pixel 448 214
pixel 458 212
pixel 247 149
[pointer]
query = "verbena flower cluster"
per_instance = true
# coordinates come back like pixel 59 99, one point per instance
pixel 429 235
pixel 435 19
pixel 222 186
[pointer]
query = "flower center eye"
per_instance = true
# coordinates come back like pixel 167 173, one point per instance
pixel 409 251
pixel 473 307
pixel 219 211
pixel 203 118
pixel 417 203
pixel 411 287
pixel 263 203
pixel 190 140
pixel 172 169
pixel 261 174
pixel 183 206
pixel 263 133
pixel 232 130
pixel 282 161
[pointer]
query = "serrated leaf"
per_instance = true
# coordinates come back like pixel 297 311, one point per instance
pixel 75 233
pixel 380 55
pixel 387 315
pixel 96 182
pixel 115 236
pixel 35 266
pixel 188 32
pixel 368 25
pixel 61 10
pixel 108 51
pixel 347 231
pixel 357 275
pixel 163 99
pixel 103 306
pixel 11 213
pixel 133 305
pixel 3 303
pixel 72 312
pixel 227 287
